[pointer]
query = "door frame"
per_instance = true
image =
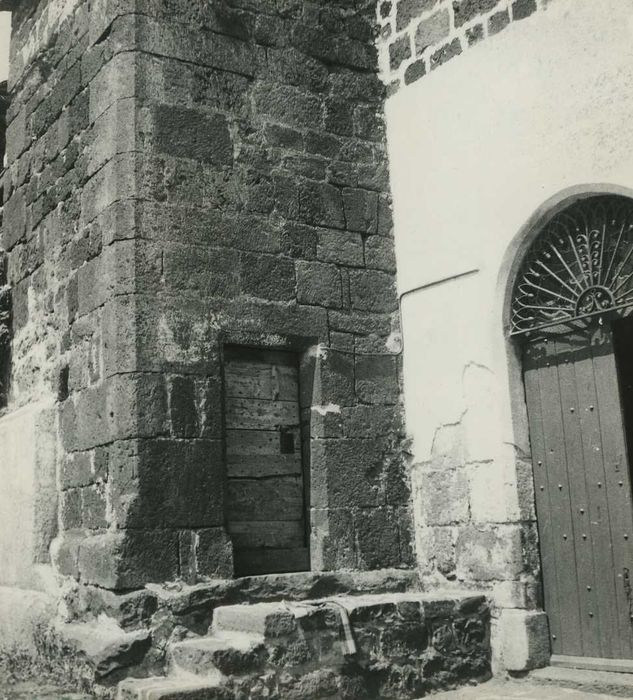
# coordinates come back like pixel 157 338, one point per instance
pixel 506 279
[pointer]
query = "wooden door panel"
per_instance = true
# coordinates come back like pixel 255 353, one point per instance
pixel 583 495
pixel 559 501
pixel 580 538
pixel 266 496
pixel 543 507
pixel 617 487
pixel 595 520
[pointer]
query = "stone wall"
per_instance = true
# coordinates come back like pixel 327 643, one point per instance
pixel 418 36
pixel 181 176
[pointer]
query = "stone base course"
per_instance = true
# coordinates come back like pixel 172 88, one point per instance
pixel 396 646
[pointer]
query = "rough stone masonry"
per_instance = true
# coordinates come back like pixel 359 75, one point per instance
pixel 187 178
pixel 183 176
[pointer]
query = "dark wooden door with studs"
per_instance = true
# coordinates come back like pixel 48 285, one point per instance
pixel 579 391
pixel 266 495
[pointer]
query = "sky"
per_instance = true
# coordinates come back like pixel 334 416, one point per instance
pixel 4 45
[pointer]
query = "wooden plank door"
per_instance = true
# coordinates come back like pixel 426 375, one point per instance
pixel 266 509
pixel 583 493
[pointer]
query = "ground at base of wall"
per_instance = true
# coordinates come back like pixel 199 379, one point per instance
pixel 35 691
pixel 517 690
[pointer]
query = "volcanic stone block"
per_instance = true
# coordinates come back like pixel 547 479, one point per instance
pixel 339 117
pixel 498 22
pixel 342 247
pixel 523 8
pixel 376 379
pixel 361 210
pixel 475 34
pixel 414 71
pixel 369 421
pixel 409 9
pixel 347 473
pixel 377 535
pixel 445 54
pixel 334 380
pixel 167 483
pixel 167 38
pixel 187 133
pixel 432 30
pixel 183 414
pixel 299 241
pixel 332 537
pixel 267 277
pixel 129 559
pixel 284 137
pixel 77 470
pixel 380 253
pixel 211 271
pixel 319 284
pixel 214 553
pixel 71 509
pixel 372 290
pixel 320 204
pixel 93 508
pixel 465 10
pixel 288 105
pixel 399 51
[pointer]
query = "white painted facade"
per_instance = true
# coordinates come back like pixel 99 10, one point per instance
pixel 480 150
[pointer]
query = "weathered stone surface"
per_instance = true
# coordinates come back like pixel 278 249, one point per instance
pixel 107 647
pixel 442 496
pixel 414 71
pixel 181 176
pixel 298 650
pixel 319 283
pixel 408 9
pixel 498 22
pixel 523 8
pixel 371 290
pixel 186 133
pixel 445 53
pixel 465 10
pixel 376 380
pixel 399 51
pixel 123 560
pixel 487 554
pixel 432 30
pixel 525 639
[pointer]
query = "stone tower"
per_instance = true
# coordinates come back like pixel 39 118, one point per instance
pixel 183 178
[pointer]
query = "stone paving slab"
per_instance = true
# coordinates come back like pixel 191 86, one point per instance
pixel 496 690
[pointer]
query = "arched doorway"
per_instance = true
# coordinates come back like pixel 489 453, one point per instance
pixel 570 315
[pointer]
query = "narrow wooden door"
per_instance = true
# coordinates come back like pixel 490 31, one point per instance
pixel 266 509
pixel 583 492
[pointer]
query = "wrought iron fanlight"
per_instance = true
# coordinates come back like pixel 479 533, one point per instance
pixel 579 267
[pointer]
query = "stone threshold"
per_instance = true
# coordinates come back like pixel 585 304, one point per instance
pixel 613 683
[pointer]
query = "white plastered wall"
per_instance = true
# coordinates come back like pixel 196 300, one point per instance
pixel 477 148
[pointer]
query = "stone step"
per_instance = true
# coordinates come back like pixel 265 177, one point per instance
pixel 229 653
pixel 276 619
pixel 260 618
pixel 173 688
pixel 606 682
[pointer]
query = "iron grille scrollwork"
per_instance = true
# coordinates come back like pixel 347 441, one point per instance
pixel 579 268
